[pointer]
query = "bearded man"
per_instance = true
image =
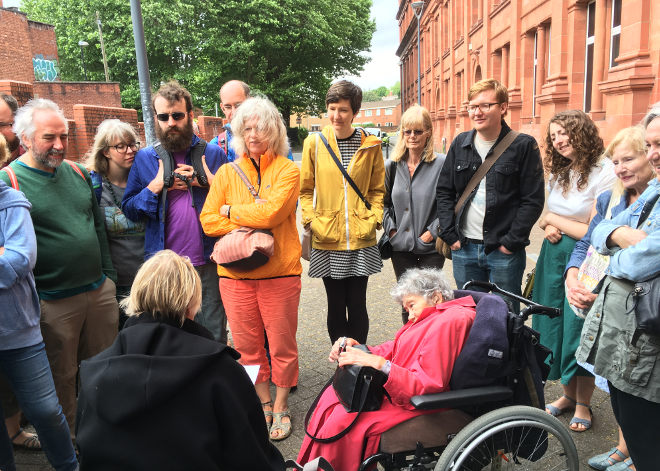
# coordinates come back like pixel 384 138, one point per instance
pixel 172 218
pixel 73 273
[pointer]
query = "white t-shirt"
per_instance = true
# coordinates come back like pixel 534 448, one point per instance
pixel 473 222
pixel 577 205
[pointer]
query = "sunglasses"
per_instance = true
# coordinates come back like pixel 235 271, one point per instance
pixel 176 116
pixel 415 132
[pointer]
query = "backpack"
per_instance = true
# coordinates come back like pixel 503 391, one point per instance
pixel 196 153
pixel 13 179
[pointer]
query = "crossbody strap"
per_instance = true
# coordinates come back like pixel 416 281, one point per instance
pixel 245 179
pixel 646 210
pixel 484 167
pixel 12 177
pixel 390 171
pixel 344 172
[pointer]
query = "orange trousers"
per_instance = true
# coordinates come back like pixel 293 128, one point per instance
pixel 253 306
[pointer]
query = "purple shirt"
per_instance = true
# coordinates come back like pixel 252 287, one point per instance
pixel 183 232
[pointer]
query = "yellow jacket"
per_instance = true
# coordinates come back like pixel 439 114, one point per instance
pixel 280 186
pixel 339 219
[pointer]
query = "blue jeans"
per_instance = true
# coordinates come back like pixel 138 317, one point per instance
pixel 28 372
pixel 470 262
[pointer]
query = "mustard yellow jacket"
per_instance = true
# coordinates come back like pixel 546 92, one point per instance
pixel 339 219
pixel 280 180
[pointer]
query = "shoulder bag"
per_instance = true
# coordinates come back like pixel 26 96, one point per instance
pixel 245 248
pixel 646 294
pixel 358 388
pixel 384 244
pixel 442 246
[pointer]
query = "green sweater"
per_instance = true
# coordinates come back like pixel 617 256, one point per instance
pixel 72 248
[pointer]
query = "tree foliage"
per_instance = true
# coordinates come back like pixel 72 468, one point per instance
pixel 289 50
pixel 380 92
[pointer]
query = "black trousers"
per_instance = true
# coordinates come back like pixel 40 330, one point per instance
pixel 639 420
pixel 402 261
pixel 347 308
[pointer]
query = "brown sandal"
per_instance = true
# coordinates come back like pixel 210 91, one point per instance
pixel 31 443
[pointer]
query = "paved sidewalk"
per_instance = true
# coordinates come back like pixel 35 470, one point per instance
pixel 385 320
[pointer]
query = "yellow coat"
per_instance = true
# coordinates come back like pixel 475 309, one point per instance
pixel 339 219
pixel 280 180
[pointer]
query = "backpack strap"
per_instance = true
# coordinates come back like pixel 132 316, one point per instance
pixel 168 178
pixel 196 154
pixel 12 177
pixel 75 168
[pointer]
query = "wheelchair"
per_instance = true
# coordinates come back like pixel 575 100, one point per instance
pixel 493 416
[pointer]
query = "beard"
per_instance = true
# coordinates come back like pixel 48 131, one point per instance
pixel 50 159
pixel 175 141
pixel 13 144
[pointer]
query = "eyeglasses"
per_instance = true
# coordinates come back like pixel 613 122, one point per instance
pixel 483 107
pixel 176 116
pixel 229 106
pixel 123 148
pixel 6 125
pixel 415 132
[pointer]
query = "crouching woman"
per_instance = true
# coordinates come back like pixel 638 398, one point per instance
pixel 419 360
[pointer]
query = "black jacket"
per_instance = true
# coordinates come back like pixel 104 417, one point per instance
pixel 514 191
pixel 170 398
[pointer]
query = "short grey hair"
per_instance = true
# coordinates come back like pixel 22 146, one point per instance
pixel 269 121
pixel 651 115
pixel 423 282
pixel 24 121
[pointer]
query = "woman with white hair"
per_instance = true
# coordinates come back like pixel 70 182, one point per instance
pixel 265 297
pixel 109 162
pixel 165 394
pixel 419 360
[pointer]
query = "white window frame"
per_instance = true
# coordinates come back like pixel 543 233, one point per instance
pixel 615 32
pixel 590 41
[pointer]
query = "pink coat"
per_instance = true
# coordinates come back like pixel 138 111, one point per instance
pixel 422 355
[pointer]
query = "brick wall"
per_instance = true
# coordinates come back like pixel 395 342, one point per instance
pixel 69 94
pixel 209 126
pixel 21 41
pixel 87 119
pixel 22 91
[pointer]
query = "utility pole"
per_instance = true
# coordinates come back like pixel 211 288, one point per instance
pixel 105 59
pixel 143 72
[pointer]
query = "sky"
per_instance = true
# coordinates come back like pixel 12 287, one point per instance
pixel 383 68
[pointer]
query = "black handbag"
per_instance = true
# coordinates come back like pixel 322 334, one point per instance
pixel 358 388
pixel 646 294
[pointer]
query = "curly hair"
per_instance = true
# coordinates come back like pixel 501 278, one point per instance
pixel 585 139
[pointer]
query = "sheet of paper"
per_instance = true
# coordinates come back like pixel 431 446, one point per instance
pixel 252 371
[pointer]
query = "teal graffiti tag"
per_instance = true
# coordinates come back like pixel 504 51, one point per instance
pixel 45 70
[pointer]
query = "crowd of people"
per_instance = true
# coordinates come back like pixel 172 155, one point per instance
pixel 117 312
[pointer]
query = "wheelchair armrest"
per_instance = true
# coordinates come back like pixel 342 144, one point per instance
pixel 461 398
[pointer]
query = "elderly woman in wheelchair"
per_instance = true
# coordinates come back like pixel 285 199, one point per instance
pixel 461 355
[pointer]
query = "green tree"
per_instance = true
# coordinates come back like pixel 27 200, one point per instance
pixel 396 89
pixel 289 50
pixel 369 95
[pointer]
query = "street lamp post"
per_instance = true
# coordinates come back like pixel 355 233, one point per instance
pixel 82 45
pixel 418 8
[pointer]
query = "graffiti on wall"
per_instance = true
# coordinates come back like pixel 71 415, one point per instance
pixel 45 70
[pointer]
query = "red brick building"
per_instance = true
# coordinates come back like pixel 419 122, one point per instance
pixel 552 55
pixel 385 114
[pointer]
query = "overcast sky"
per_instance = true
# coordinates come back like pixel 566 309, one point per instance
pixel 383 69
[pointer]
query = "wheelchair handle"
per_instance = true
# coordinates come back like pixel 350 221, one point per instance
pixel 532 307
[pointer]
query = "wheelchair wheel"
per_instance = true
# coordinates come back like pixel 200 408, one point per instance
pixel 511 438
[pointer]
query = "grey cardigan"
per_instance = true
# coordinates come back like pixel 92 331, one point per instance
pixel 410 206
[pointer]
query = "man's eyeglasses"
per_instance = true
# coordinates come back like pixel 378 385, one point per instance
pixel 176 116
pixel 123 148
pixel 6 125
pixel 415 132
pixel 483 107
pixel 229 106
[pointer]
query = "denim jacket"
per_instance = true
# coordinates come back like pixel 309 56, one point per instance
pixel 639 262
pixel 140 202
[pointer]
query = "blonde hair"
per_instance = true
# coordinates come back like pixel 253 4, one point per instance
pixel 166 286
pixel 4 151
pixel 269 122
pixel 633 138
pixel 413 118
pixel 501 93
pixel 108 131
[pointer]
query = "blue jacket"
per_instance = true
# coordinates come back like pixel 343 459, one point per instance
pixel 638 262
pixel 19 303
pixel 139 202
pixel 227 137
